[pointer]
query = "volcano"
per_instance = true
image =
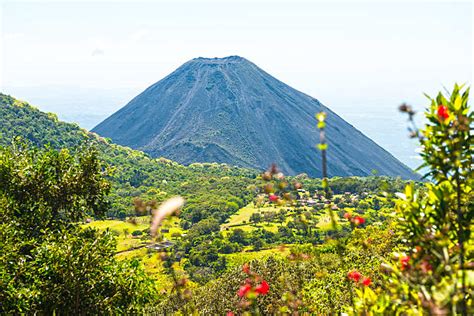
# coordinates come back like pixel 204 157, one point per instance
pixel 228 110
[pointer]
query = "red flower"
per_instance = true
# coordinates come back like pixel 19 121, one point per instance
pixel 273 197
pixel 358 220
pixel 230 313
pixel 347 215
pixel 244 289
pixel 367 281
pixel 354 276
pixel 404 262
pixel 443 112
pixel 246 268
pixel 426 266
pixel 262 288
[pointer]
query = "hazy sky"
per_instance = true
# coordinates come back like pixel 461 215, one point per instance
pixel 334 50
pixel 352 56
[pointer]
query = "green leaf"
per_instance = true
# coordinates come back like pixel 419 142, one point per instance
pixel 409 191
pixel 457 103
pixel 426 95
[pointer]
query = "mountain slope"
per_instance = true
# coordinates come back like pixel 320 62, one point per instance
pixel 229 110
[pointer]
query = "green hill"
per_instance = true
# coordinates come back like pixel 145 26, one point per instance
pixel 208 187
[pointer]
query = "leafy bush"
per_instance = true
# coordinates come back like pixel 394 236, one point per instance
pixel 48 264
pixel 430 272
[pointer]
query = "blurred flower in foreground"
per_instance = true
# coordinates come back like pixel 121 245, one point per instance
pixel 254 285
pixel 357 277
pixel 354 276
pixel 405 108
pixel 404 262
pixel 167 208
pixel 366 281
pixel 246 268
pixel 358 220
pixel 244 289
pixel 262 288
pixel 273 198
pixel 443 113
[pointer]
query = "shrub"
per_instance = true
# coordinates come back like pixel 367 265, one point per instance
pixel 429 273
pixel 136 233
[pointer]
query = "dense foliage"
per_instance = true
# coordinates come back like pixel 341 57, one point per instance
pixel 433 270
pixel 47 262
pixel 313 275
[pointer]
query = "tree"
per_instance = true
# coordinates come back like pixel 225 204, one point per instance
pixel 122 215
pixel 376 204
pixel 204 227
pixel 48 263
pixel 232 207
pixel 363 206
pixel 269 216
pixel 137 233
pixel 256 218
pixel 49 189
pixel 238 236
pixel 257 244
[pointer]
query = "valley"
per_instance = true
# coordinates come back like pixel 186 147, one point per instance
pixel 252 232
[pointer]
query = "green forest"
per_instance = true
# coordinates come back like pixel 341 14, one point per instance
pixel 91 227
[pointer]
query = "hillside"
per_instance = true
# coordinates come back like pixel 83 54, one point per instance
pixel 229 110
pixel 135 174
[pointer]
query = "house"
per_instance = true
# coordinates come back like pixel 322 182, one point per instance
pixel 160 245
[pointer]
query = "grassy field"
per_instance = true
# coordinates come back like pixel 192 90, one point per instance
pixel 152 264
pixel 238 259
pixel 149 258
pixel 119 226
pixel 240 220
pixel 325 223
pixel 243 215
pixel 124 230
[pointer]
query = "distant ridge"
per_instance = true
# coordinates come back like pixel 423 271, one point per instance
pixel 229 110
